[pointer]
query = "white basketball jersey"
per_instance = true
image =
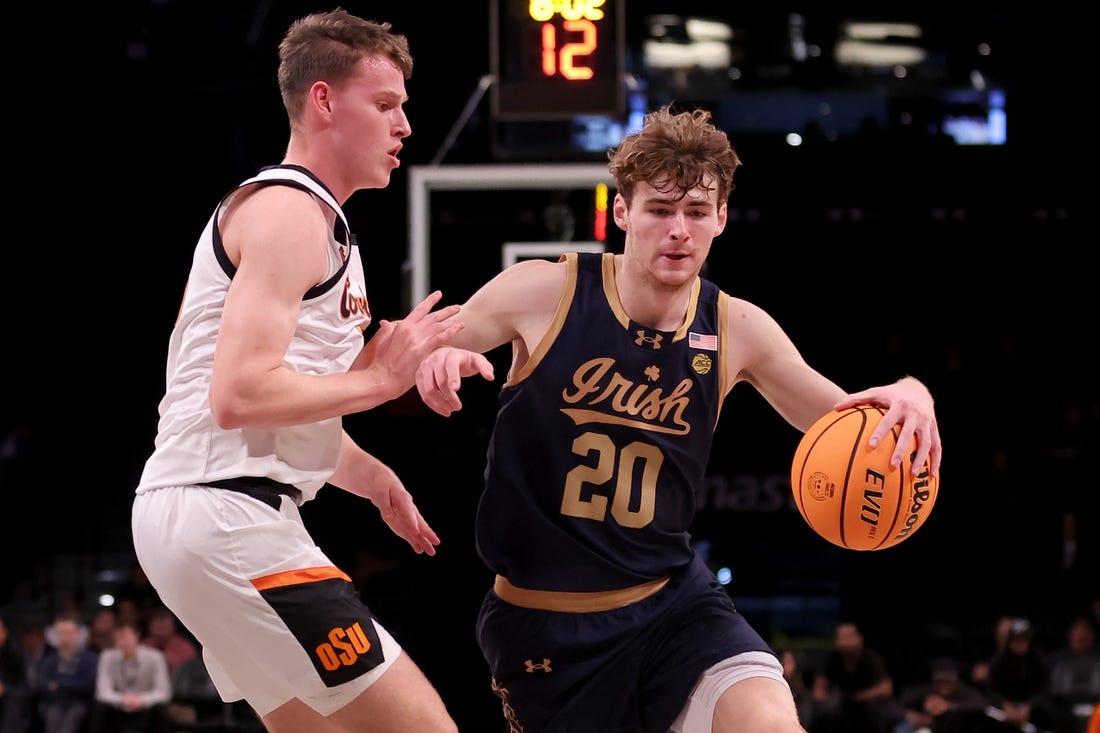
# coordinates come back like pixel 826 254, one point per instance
pixel 190 448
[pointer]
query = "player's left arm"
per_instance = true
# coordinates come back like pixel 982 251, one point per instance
pixel 362 474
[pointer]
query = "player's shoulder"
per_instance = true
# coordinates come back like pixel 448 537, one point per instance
pixel 739 307
pixel 535 273
pixel 528 285
pixel 281 198
pixel 743 316
pixel 275 208
pixel 281 222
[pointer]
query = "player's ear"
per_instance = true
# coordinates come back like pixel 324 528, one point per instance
pixel 723 211
pixel 319 98
pixel 619 209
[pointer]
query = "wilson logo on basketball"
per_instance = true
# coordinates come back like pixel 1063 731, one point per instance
pixel 921 495
pixel 343 648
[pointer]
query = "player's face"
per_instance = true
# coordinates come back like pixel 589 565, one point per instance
pixel 369 120
pixel 670 235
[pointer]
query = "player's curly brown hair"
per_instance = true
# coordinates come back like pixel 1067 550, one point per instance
pixel 675 151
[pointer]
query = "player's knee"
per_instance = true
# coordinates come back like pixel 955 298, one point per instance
pixel 756 704
pixel 764 718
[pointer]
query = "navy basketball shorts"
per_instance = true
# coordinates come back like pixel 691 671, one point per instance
pixel 625 670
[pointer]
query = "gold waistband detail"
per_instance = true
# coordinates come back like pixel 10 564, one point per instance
pixel 575 602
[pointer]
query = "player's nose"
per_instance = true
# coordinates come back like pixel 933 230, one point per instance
pixel 678 228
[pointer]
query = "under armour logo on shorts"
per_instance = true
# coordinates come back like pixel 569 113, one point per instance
pixel 531 666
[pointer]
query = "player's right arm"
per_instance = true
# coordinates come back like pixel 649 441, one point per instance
pixel 277 236
pixel 517 306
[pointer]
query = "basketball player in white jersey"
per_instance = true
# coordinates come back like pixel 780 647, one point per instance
pixel 266 357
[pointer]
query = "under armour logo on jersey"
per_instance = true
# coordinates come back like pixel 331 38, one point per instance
pixel 653 341
pixel 531 666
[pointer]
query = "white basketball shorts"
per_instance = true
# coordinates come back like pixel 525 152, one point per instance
pixel 275 618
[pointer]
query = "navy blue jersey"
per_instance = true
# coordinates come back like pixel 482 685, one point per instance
pixel 601 441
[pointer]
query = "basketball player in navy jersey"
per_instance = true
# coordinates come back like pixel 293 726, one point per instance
pixel 265 358
pixel 602 618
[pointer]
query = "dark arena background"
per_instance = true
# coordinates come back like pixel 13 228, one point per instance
pixel 912 200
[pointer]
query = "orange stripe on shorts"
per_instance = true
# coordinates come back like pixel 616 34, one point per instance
pixel 298 577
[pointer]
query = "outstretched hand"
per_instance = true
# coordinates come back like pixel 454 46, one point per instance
pixel 440 375
pixel 910 408
pixel 397 509
pixel 400 346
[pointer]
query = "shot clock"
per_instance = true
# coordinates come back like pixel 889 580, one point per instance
pixel 555 59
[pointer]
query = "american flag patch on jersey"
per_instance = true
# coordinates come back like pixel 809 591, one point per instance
pixel 702 341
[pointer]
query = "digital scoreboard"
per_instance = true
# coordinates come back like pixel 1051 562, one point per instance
pixel 557 59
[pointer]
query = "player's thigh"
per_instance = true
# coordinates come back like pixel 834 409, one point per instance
pixel 399 701
pixel 756 704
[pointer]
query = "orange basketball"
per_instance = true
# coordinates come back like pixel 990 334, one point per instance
pixel 848 493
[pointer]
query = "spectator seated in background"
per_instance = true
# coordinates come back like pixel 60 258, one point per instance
pixel 944 704
pixel 33 645
pixel 860 676
pixel 1075 676
pixel 65 678
pixel 132 686
pixel 1019 681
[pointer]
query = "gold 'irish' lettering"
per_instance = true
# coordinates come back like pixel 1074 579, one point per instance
pixel 594 383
